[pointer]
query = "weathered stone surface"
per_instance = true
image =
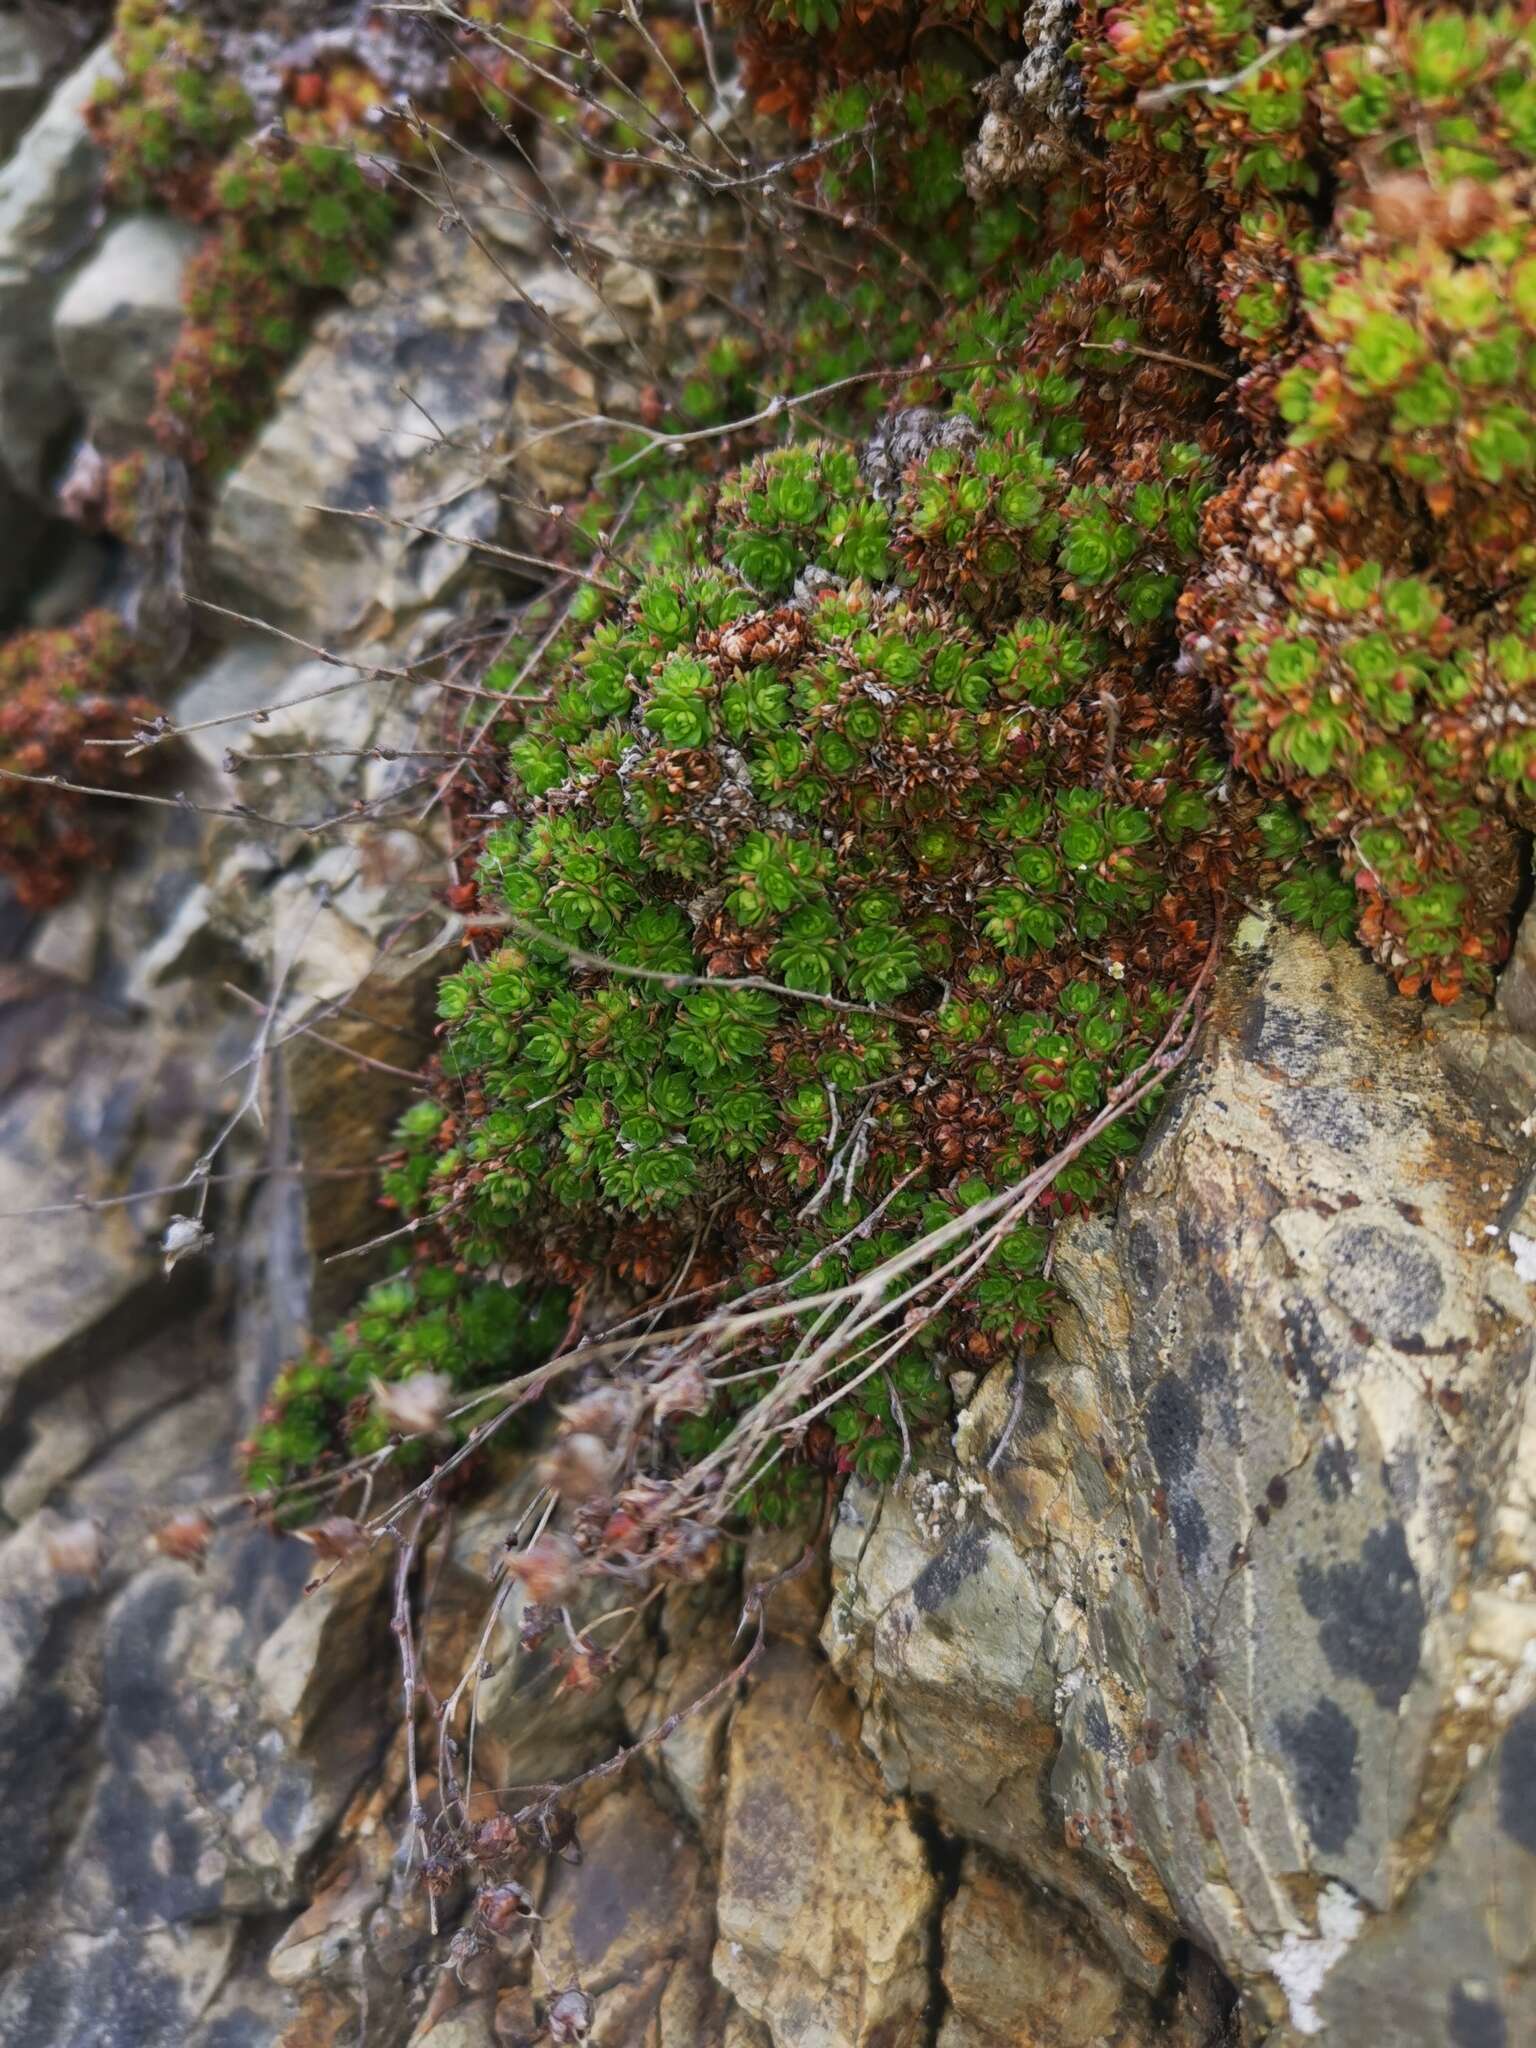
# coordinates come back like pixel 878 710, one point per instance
pixel 248 673
pixel 536 1733
pixel 632 1923
pixel 47 195
pixel 220 1781
pixel 1020 1970
pixel 118 320
pixel 826 1897
pixel 346 434
pixel 700 1632
pixel 148 1987
pixel 156 1795
pixel 1228 1628
pixel 82 1112
pixel 30 48
pixel 346 928
pixel 108 1430
pixel 947 1630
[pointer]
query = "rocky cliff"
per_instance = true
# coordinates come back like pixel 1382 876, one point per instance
pixel 1182 1691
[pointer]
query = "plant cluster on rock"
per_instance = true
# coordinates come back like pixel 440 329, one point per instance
pixel 1138 522
pixel 294 210
pixel 67 708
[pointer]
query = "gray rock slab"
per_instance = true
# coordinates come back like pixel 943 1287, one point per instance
pixel 118 320
pixel 49 208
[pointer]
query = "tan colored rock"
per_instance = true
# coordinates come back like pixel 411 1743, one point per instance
pixel 630 1918
pixel 946 1624
pixel 699 1628
pixel 742 2031
pixel 1021 1972
pixel 118 321
pixel 303 1664
pixel 1244 1608
pixel 471 2025
pixel 323 1940
pixel 826 1898
pixel 90 1110
pixel 326 2018
pixel 517 2023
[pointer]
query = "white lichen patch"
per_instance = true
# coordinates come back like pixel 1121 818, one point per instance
pixel 1301 1964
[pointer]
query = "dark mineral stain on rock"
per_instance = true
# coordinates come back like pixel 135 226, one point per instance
pixel 1145 1258
pixel 1172 1424
pixel 1276 1035
pixel 1323 1119
pixel 242 2028
pixel 1322 1745
pixel 1208 1367
pixel 1310 1353
pixel 1517 1780
pixel 1035 1411
pixel 285 1808
pixel 1096 1730
pixel 1218 1292
pixel 1474 2019
pixel 1386 1280
pixel 1333 1471
pixel 1370 1614
pixel 942 1577
pixel 1191 1531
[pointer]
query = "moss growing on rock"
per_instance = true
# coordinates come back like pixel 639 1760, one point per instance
pixel 426 1327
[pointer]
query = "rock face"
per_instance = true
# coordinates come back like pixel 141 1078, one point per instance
pixel 1018 1968
pixel 397 409
pixel 48 200
pixel 1213 1637
pixel 30 48
pixel 1190 1699
pixel 118 321
pixel 1202 1672
pixel 826 1892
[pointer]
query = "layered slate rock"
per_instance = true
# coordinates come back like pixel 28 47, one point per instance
pixel 49 195
pixel 1227 1602
pixel 826 1894
pixel 117 322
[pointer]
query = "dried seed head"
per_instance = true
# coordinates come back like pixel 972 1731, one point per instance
pixel 537 1622
pixel 1405 206
pixel 585 1666
pixel 439 1873
pixel 570 2016
pixel 417 1406
pixel 688 1551
pixel 470 1961
pixel 683 1392
pixel 184 1235
pixel 606 1412
pixel 73 1548
pixel 503 1906
pixel 579 1467
pixel 493 1838
pixel 184 1535
pixel 549 1829
pixel 335 1538
pixel 548 1568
